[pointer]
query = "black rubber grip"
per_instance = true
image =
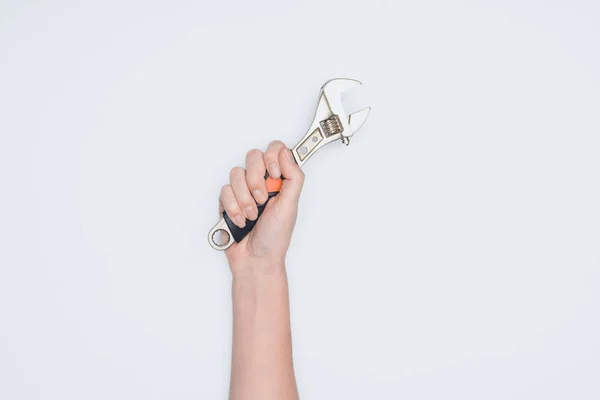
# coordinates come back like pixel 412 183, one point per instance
pixel 240 233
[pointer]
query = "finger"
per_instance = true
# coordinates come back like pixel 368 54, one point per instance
pixel 272 158
pixel 294 177
pixel 255 175
pixel 237 179
pixel 228 203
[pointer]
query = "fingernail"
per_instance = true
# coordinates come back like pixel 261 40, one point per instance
pixel 250 213
pixel 239 220
pixel 259 196
pixel 274 170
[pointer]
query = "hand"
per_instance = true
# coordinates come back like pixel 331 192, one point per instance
pixel 264 248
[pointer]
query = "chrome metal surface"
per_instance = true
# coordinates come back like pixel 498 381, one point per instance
pixel 219 228
pixel 329 124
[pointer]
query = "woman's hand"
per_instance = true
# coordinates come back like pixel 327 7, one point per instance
pixel 264 248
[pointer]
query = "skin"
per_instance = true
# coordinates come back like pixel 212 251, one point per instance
pixel 262 367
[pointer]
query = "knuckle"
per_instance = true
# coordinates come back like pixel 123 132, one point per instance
pixel 231 206
pixel 272 155
pixel 301 175
pixel 254 182
pixel 225 189
pixel 254 153
pixel 276 143
pixel 236 171
pixel 274 149
pixel 246 202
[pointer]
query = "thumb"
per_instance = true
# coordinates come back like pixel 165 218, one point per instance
pixel 294 177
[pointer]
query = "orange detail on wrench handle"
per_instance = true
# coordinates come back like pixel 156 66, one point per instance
pixel 273 187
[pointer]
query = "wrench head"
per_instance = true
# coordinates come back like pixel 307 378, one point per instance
pixel 357 119
pixel 332 91
pixel 335 87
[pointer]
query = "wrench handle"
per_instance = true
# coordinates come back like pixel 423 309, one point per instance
pixel 273 187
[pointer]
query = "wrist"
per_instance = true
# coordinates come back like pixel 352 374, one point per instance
pixel 257 267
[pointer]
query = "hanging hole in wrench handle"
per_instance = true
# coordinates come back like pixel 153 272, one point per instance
pixel 273 187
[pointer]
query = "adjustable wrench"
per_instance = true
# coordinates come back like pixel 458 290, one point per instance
pixel 330 124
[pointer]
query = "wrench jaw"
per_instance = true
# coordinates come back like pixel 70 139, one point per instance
pixel 333 90
pixel 331 122
pixel 357 119
pixel 335 87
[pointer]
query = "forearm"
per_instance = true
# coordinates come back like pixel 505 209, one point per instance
pixel 262 366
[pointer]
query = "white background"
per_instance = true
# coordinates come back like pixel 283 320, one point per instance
pixel 451 252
